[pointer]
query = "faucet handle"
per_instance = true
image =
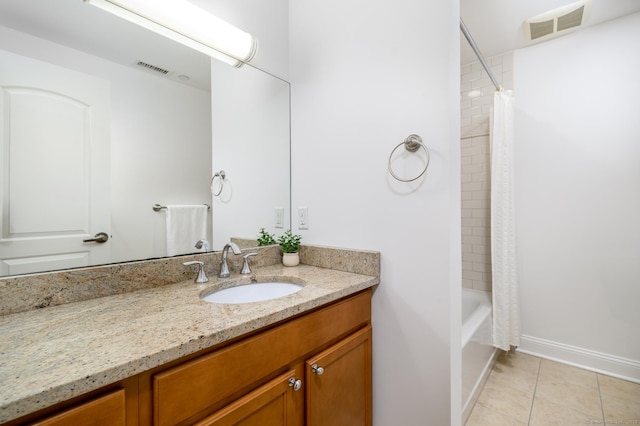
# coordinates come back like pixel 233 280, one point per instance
pixel 201 277
pixel 245 266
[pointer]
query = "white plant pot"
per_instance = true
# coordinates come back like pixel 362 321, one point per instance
pixel 291 259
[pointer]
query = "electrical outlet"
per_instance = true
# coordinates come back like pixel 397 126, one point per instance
pixel 279 217
pixel 303 218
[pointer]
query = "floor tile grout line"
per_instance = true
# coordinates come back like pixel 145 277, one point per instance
pixel 600 395
pixel 535 388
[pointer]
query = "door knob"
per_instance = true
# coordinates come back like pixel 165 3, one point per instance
pixel 100 237
pixel 317 370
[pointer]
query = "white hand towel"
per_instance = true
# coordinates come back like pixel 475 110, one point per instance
pixel 185 226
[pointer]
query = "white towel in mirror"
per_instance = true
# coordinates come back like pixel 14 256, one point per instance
pixel 186 224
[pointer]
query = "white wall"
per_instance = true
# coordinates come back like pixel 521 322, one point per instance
pixel 160 143
pixel 578 196
pixel 161 150
pixel 251 143
pixel 241 142
pixel 364 76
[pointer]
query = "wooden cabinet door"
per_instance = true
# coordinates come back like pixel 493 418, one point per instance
pixel 277 403
pixel 340 393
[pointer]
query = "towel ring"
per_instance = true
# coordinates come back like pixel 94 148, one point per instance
pixel 412 143
pixel 221 174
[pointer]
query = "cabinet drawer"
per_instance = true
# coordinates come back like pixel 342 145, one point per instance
pixel 108 410
pixel 190 388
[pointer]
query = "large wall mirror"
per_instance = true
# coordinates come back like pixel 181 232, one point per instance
pixel 173 118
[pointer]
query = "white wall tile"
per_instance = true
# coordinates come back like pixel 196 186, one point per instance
pixel 476 232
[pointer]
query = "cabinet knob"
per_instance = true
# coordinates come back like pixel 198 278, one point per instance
pixel 317 370
pixel 295 384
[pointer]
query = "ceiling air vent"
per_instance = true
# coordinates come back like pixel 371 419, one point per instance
pixel 152 67
pixel 571 19
pixel 541 29
pixel 554 21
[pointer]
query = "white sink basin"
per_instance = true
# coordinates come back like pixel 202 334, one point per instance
pixel 255 292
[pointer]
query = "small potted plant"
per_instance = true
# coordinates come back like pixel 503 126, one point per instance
pixel 290 244
pixel 265 239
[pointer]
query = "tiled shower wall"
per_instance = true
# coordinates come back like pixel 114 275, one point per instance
pixel 476 98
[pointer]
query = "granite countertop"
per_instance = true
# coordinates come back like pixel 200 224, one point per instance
pixel 54 354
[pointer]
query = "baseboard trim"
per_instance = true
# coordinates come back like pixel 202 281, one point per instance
pixel 598 362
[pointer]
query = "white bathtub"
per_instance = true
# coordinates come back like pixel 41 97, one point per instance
pixel 478 353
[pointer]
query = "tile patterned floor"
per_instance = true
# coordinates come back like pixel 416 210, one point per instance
pixel 526 390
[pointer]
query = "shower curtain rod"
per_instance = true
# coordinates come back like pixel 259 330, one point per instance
pixel 476 50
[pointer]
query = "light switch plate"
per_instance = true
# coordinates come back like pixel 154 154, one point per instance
pixel 279 222
pixel 303 217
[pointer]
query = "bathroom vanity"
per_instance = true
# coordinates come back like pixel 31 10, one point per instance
pixel 163 356
pixel 274 374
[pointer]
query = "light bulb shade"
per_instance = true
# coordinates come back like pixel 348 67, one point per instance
pixel 188 24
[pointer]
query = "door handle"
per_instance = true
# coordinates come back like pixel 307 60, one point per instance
pixel 100 237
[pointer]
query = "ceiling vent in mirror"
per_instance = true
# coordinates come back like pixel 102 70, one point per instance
pixel 557 20
pixel 152 67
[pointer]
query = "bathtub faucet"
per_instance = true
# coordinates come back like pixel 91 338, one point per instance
pixel 203 244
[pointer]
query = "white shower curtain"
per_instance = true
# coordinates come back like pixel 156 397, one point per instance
pixel 506 309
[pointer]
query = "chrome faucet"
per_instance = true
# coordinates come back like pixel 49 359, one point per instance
pixel 224 267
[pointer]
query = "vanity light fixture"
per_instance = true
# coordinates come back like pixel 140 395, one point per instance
pixel 186 23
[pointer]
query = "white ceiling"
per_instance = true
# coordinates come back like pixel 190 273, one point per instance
pixel 496 25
